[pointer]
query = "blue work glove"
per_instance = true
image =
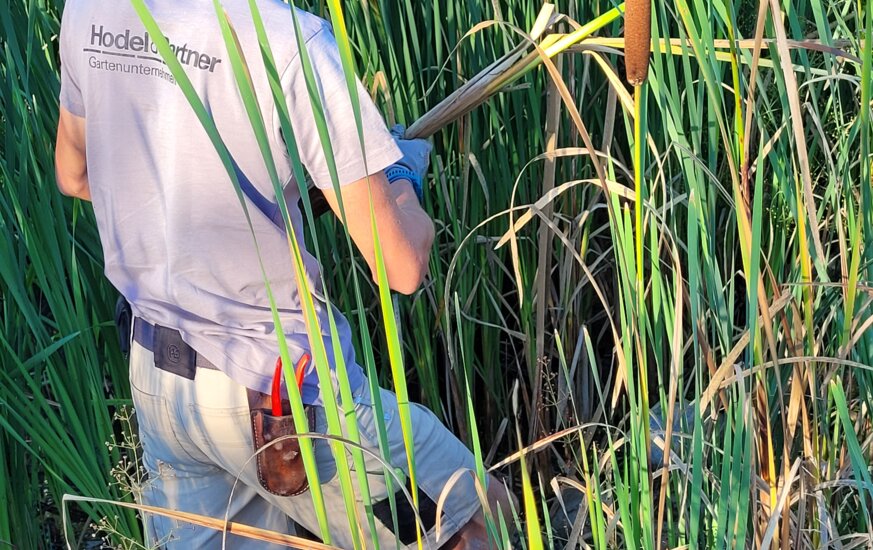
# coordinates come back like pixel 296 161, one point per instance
pixel 416 159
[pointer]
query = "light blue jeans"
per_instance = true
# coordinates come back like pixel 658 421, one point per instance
pixel 197 440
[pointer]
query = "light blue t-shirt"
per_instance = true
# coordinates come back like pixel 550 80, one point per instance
pixel 175 240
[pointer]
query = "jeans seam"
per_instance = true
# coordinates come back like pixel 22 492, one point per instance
pixel 172 426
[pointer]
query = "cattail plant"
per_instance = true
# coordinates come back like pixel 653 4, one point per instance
pixel 637 38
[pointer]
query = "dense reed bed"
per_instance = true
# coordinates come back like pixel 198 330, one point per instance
pixel 661 294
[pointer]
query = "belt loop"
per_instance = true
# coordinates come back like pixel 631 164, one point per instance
pixel 172 354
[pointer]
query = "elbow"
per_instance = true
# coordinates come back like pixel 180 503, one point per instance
pixel 71 171
pixel 70 187
pixel 403 276
pixel 407 277
pixel 410 279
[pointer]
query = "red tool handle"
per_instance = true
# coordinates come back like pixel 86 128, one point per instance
pixel 300 370
pixel 276 393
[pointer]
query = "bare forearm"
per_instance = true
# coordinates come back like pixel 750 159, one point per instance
pixel 419 227
pixel 406 257
pixel 405 231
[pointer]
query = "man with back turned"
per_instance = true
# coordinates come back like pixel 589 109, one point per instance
pixel 177 246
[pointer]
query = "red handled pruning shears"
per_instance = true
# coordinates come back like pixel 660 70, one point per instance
pixel 276 395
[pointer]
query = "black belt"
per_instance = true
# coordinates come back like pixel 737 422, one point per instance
pixel 172 354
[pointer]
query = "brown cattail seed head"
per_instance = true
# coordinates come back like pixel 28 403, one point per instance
pixel 637 39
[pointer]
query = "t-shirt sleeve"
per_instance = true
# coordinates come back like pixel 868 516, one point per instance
pixel 379 146
pixel 71 94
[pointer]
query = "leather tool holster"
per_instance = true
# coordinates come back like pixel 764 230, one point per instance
pixel 280 465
